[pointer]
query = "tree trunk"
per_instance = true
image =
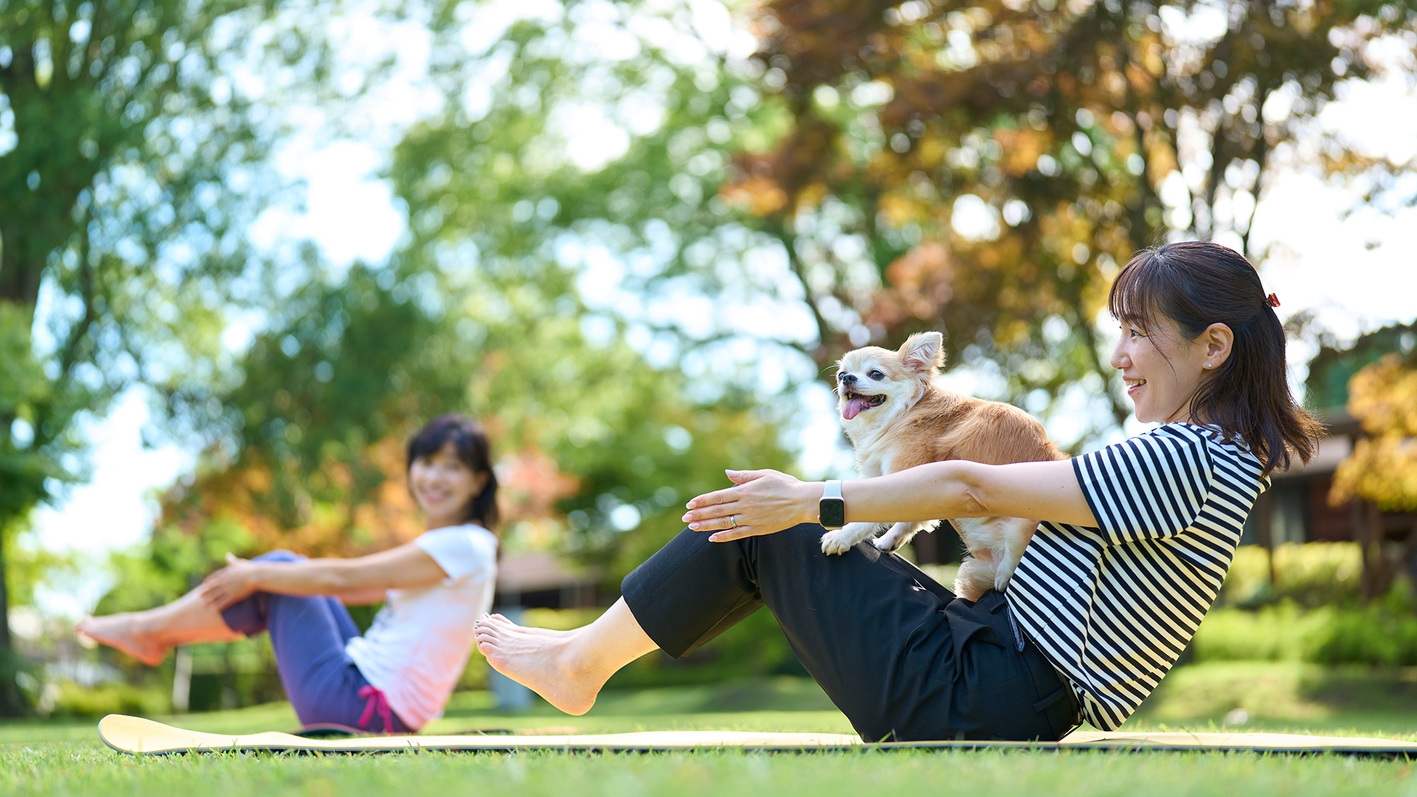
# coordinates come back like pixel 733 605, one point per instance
pixel 1371 540
pixel 12 701
pixel 1264 529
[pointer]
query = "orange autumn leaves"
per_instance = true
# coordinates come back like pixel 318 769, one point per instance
pixel 346 510
pixel 1383 466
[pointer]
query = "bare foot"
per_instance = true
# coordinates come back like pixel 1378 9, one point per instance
pixel 119 632
pixel 545 661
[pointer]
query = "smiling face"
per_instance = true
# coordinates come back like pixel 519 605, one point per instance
pixel 444 486
pixel 874 385
pixel 1162 370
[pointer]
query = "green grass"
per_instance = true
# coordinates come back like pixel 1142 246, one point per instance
pixel 66 758
pixel 1286 696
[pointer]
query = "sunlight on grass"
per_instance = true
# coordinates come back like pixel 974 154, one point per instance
pixel 84 769
pixel 67 758
pixel 1288 696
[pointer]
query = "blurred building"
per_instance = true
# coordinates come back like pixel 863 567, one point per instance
pixel 545 581
pixel 1296 509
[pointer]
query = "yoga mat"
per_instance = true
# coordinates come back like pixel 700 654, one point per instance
pixel 139 736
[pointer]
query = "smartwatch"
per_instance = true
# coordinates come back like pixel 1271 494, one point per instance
pixel 832 508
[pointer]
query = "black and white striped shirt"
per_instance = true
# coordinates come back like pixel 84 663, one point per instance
pixel 1113 607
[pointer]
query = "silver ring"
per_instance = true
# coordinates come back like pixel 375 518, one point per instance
pixel 734 520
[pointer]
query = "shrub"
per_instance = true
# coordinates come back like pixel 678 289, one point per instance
pixel 1312 574
pixel 74 700
pixel 1273 633
pixel 1383 633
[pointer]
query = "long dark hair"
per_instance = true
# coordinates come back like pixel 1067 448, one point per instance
pixel 1199 283
pixel 470 442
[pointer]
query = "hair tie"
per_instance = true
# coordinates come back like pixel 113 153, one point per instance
pixel 1272 300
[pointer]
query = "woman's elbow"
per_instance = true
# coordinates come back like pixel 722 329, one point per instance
pixel 973 503
pixel 340 580
pixel 973 495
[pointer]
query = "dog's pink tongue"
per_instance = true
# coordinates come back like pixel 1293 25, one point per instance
pixel 853 406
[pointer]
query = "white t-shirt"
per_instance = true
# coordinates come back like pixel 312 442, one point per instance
pixel 419 643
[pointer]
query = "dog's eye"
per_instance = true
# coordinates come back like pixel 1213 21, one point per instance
pixel 877 375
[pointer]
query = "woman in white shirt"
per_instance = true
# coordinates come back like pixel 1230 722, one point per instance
pixel 396 677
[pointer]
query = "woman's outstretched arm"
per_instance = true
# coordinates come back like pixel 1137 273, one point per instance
pixel 766 501
pixel 403 567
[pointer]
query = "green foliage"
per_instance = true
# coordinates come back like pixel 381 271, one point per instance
pixel 234 674
pixel 1383 633
pixel 819 181
pixel 634 437
pixel 1309 575
pixel 587 284
pixel 22 385
pixel 1382 468
pixel 30 565
pixel 502 190
pixel 343 365
pixel 130 162
pixel 356 362
pixel 167 566
pixel 92 702
pixel 1277 696
pixel 124 142
pixel 1313 611
pixel 1326 386
pixel 1280 632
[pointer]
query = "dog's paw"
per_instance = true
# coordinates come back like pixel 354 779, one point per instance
pixel 887 542
pixel 837 542
pixel 841 540
pixel 898 535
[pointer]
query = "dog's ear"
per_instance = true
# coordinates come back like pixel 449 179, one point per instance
pixel 924 352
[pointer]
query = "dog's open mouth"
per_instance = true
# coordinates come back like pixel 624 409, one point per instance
pixel 855 403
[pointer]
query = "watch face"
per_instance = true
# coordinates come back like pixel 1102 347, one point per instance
pixel 833 512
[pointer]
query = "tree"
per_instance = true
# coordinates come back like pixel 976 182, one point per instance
pixel 983 168
pixel 1380 474
pixel 565 252
pixel 596 448
pixel 595 139
pixel 1332 370
pixel 1383 466
pixel 132 153
pixel 999 160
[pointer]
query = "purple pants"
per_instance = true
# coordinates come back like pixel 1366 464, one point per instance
pixel 308 635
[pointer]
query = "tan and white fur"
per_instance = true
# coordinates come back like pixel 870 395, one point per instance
pixel 897 417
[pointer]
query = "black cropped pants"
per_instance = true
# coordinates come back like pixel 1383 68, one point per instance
pixel 899 654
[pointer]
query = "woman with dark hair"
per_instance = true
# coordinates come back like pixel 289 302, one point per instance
pixel 396 677
pixel 1133 543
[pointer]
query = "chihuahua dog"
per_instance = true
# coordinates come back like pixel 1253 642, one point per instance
pixel 897 417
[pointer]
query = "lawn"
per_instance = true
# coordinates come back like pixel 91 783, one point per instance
pixel 66 757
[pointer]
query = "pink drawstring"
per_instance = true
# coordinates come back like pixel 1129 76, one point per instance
pixel 376 702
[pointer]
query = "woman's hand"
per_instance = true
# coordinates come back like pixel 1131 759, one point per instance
pixel 231 584
pixel 760 502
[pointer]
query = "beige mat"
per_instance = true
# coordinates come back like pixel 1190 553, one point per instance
pixel 145 737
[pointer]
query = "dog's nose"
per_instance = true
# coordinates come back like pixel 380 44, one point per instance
pixel 846 379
